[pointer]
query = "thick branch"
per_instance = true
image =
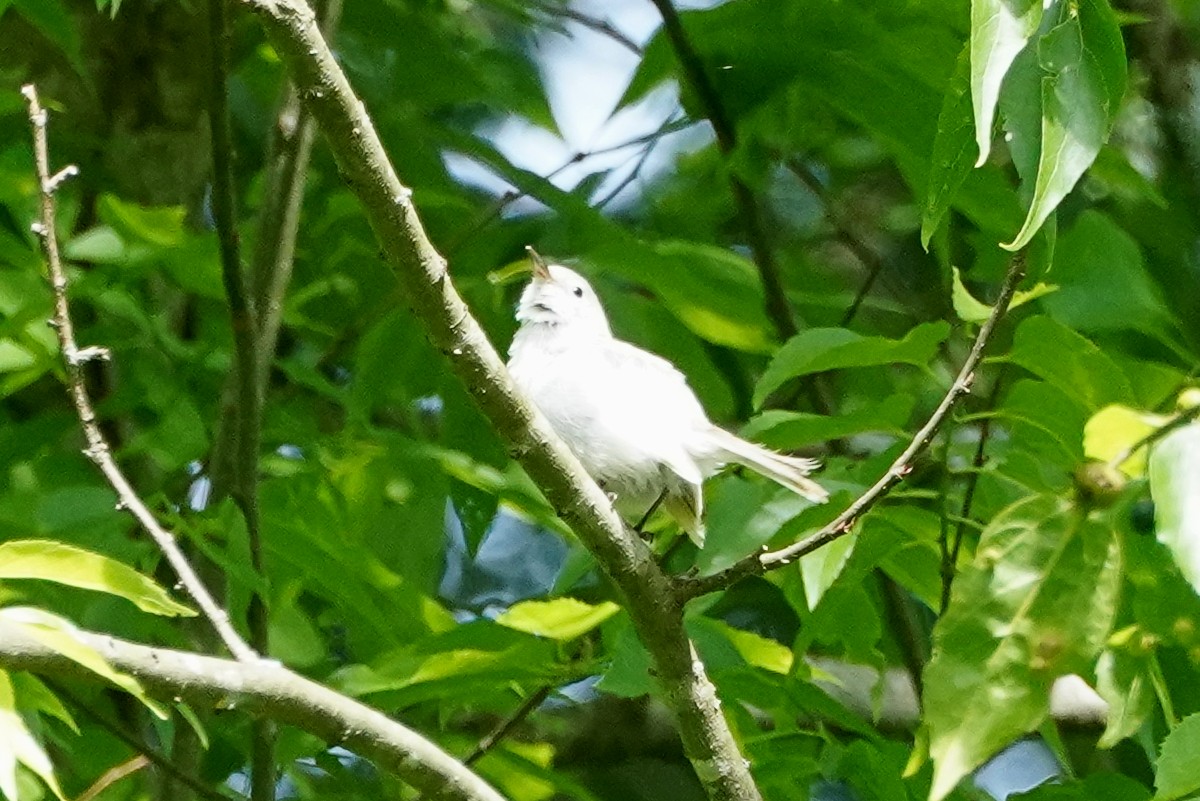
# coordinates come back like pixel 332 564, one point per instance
pixel 264 689
pixel 778 307
pixel 422 273
pixel 844 523
pixel 75 358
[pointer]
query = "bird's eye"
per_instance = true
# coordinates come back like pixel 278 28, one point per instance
pixel 579 292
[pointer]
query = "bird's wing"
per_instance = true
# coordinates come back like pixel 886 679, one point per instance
pixel 657 383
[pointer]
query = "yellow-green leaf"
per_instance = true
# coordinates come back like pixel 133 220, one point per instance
pixel 61 635
pixel 18 746
pixel 55 561
pixel 560 619
pixel 970 310
pixel 1115 428
pixel 760 651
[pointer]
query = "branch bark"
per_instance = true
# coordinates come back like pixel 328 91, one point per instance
pixel 843 524
pixel 265 689
pixel 75 358
pixel 421 270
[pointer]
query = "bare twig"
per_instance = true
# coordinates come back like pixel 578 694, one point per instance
pixel 950 565
pixel 263 689
pixel 113 775
pixel 497 207
pixel 690 587
pixel 778 308
pixel 601 26
pixel 75 357
pixel 846 235
pixel 489 740
pixel 1180 420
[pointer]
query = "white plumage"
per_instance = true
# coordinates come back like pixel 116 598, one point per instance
pixel 628 415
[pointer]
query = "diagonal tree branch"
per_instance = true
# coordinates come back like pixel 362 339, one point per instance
pixel 689 587
pixel 266 689
pixel 778 308
pixel 75 358
pixel 342 117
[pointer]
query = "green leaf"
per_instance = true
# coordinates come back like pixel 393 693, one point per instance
pixel 1113 429
pixel 161 225
pixel 1036 603
pixel 54 21
pixel 33 694
pixel 819 349
pixel 559 619
pixel 1123 681
pixel 785 430
pixel 61 636
pixel 17 746
pixel 1173 467
pixel 1177 772
pixel 1083 59
pixel 1000 29
pixel 951 161
pixel 1104 284
pixel 1070 362
pixel 757 650
pixel 66 564
pixel 101 245
pixel 970 310
pixel 713 291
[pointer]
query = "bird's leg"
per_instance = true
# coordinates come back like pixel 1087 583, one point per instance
pixel 653 508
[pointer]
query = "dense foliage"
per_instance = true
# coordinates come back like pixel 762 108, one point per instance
pixel 829 144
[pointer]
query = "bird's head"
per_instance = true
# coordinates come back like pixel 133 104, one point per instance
pixel 560 297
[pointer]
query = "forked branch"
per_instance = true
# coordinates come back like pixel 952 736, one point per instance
pixel 842 525
pixel 75 358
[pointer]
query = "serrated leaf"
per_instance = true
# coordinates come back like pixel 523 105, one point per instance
pixel 952 150
pixel 969 310
pixel 559 619
pixel 61 636
pixel 1000 29
pixel 1083 59
pixel 1036 603
pixel 819 349
pixel 66 564
pixel 18 746
pixel 1177 772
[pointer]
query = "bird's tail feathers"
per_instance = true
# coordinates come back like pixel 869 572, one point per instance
pixel 788 471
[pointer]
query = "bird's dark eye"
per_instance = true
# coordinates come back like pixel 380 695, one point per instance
pixel 579 292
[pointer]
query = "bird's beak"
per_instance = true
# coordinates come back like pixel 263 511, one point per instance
pixel 540 268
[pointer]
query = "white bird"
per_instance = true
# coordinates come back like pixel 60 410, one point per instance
pixel 629 416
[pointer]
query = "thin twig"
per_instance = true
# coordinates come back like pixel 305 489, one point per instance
pixel 489 740
pixel 950 565
pixel 1180 420
pixel 497 207
pixel 113 775
pixel 778 308
pixel 149 754
pixel 601 26
pixel 690 587
pixel 846 235
pixel 75 358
